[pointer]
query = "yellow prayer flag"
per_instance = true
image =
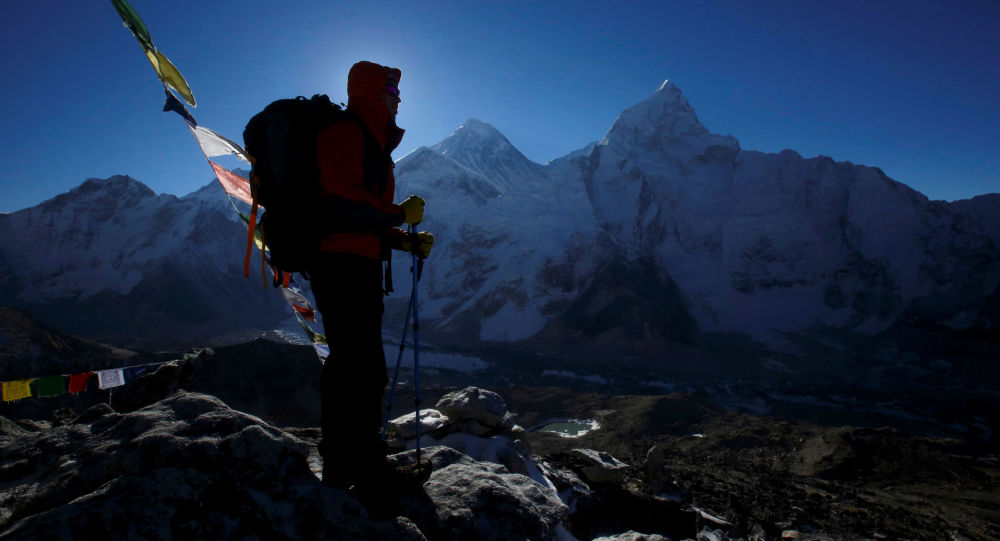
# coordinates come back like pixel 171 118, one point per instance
pixel 16 390
pixel 170 75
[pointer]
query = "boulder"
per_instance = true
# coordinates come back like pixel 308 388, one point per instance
pixel 572 491
pixel 185 467
pixel 659 479
pixel 475 404
pixel 512 454
pixel 405 427
pixel 599 466
pixel 484 501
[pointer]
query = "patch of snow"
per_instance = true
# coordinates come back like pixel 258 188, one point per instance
pixel 591 423
pixel 710 517
pixel 511 324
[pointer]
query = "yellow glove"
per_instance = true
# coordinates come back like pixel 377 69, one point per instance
pixel 413 210
pixel 424 242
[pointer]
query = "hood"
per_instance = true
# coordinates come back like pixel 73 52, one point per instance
pixel 365 85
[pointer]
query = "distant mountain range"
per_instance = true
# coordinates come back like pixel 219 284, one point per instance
pixel 659 234
pixel 112 260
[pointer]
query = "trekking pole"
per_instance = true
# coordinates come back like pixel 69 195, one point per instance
pixel 416 334
pixel 395 377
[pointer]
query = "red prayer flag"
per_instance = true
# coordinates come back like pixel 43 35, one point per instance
pixel 307 313
pixel 234 184
pixel 78 382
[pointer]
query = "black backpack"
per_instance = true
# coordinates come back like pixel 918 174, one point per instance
pixel 285 178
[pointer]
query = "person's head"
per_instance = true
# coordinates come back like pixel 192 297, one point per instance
pixel 370 85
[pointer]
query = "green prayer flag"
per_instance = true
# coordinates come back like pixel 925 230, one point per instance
pixel 165 69
pixel 134 23
pixel 51 386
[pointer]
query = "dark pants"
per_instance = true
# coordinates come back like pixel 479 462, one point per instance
pixel 348 292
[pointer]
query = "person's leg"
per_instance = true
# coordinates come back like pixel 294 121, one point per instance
pixel 348 292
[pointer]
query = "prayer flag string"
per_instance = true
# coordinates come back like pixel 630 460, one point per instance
pixel 211 144
pixel 50 386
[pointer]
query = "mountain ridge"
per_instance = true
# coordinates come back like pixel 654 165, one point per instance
pixel 741 242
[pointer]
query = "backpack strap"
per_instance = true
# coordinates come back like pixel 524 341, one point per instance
pixel 252 225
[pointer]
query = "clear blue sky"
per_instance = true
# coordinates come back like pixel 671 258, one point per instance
pixel 911 87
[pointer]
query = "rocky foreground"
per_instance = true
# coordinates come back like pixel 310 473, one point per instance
pixel 659 467
pixel 188 466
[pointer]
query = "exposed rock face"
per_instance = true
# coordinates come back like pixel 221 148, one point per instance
pixel 600 467
pixel 185 467
pixel 483 500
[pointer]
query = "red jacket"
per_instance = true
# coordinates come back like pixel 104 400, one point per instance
pixel 340 150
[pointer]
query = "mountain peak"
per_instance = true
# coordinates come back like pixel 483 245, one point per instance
pixel 474 134
pixel 480 128
pixel 664 121
pixel 115 187
pixel 480 147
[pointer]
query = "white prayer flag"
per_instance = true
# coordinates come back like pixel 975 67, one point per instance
pixel 107 379
pixel 293 296
pixel 322 350
pixel 213 144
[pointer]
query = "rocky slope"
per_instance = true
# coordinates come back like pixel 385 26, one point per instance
pixel 189 466
pixel 652 467
pixel 32 349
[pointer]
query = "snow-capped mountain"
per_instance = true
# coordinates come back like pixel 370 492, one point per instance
pixel 481 148
pixel 111 258
pixel 657 234
pixel 664 227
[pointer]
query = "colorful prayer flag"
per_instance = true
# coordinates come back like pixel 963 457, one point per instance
pixel 134 23
pixel 51 386
pixel 213 144
pixel 234 184
pixel 294 297
pixel 78 382
pixel 322 351
pixel 175 105
pixel 170 75
pixel 16 390
pixel 307 313
pixel 106 379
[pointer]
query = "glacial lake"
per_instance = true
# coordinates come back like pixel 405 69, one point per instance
pixel 568 428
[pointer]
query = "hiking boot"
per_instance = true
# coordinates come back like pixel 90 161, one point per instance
pixel 402 479
pixel 335 478
pixel 380 493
